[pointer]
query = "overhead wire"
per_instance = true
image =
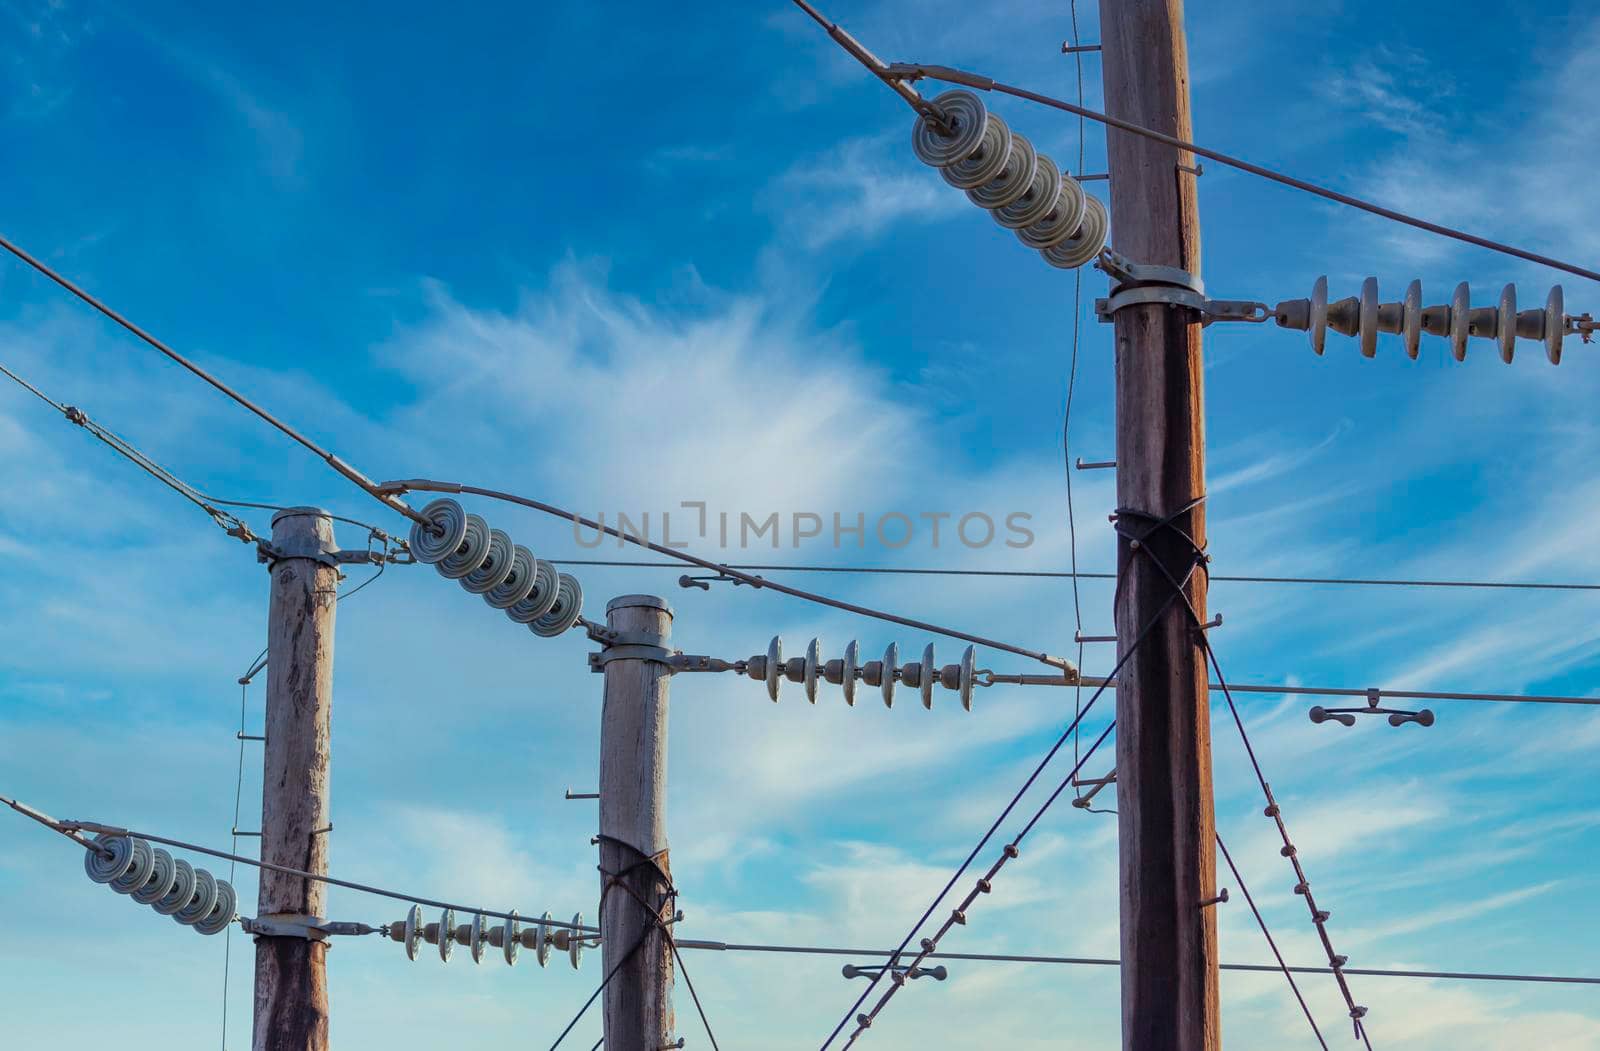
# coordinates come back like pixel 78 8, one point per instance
pixel 344 468
pixel 1046 574
pixel 900 76
pixel 1101 961
pixel 74 830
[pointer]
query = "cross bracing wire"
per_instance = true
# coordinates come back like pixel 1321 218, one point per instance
pixel 900 76
pixel 958 916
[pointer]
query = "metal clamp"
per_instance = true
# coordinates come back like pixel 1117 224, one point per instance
pixel 1139 284
pixel 298 925
pixel 268 553
pixel 627 645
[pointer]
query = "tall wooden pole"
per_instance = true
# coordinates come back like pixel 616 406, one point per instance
pixel 291 1002
pixel 1165 823
pixel 634 867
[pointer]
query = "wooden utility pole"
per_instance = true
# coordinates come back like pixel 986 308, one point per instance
pixel 634 871
pixel 291 1004
pixel 1165 823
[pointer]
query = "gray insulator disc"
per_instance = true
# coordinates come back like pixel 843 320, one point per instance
pixel 774 667
pixel 1505 332
pixel 1368 327
pixel 1041 198
pixel 182 889
pixel 495 568
pixel 479 938
pixel 509 945
pixel 447 934
pixel 1013 180
pixel 1411 319
pixel 813 670
pixel 986 161
pixel 413 933
pixel 930 671
pixel 575 941
pixel 517 584
pixel 1063 220
pixel 470 553
pixel 1555 323
pixel 541 947
pixel 201 902
pixel 144 860
pixel 539 600
pixel 162 876
pixel 1460 320
pixel 1085 245
pixel 847 679
pixel 102 868
pixel 216 921
pixel 568 607
pixel 891 660
pixel 965 112
pixel 969 672
pixel 447 516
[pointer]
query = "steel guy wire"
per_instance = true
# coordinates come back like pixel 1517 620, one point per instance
pixel 433 486
pixel 233 525
pixel 1097 961
pixel 73 830
pixel 1006 812
pixel 392 501
pixel 1271 941
pixel 600 989
pixel 900 76
pixel 1046 574
pixel 1332 691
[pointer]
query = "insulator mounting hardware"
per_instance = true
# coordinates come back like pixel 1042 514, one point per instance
pixel 901 973
pixel 1347 716
pixel 1136 284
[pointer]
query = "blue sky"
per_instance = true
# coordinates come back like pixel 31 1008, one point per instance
pixel 624 256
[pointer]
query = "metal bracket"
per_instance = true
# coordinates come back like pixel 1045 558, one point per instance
pixel 296 925
pixel 268 553
pixel 1138 284
pixel 627 645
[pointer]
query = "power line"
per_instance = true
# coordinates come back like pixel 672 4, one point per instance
pixel 1096 961
pixel 1332 691
pixel 233 525
pixel 327 457
pixel 73 830
pixel 900 76
pixel 432 486
pixel 1046 574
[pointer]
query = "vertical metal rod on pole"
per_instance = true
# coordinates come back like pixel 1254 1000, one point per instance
pixel 634 866
pixel 1165 822
pixel 291 990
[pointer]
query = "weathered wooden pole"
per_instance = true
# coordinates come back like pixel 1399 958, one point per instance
pixel 291 995
pixel 1165 822
pixel 634 871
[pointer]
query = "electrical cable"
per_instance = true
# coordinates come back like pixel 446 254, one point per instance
pixel 73 830
pixel 1045 574
pixel 600 989
pixel 1100 961
pixel 433 486
pixel 1332 691
pixel 900 76
pixel 392 501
